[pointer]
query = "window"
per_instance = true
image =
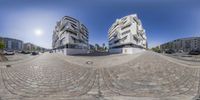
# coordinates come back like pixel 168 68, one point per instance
pixel 61 35
pixel 74 26
pixel 71 20
pixel 116 41
pixel 136 21
pixel 124 38
pixel 62 28
pixel 115 26
pixel 125 32
pixel 61 41
pixel 71 32
pixel 9 44
pixel 124 21
pixel 19 45
pixel 126 26
pixel 136 39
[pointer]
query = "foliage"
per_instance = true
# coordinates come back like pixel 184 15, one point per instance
pixel 106 48
pixel 100 48
pixel 156 49
pixel 2 45
pixel 33 48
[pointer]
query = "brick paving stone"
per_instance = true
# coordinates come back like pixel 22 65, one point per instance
pixel 144 76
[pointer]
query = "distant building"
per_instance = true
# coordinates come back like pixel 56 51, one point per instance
pixel 92 48
pixel 12 44
pixel 103 46
pixel 184 44
pixel 32 47
pixel 70 37
pixel 127 35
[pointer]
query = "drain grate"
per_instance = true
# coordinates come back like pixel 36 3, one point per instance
pixel 7 66
pixel 89 62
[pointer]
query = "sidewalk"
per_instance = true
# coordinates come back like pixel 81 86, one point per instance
pixel 3 58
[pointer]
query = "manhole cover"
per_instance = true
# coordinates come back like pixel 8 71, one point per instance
pixel 8 65
pixel 89 62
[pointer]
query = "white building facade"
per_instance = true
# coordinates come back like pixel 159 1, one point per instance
pixel 127 35
pixel 183 45
pixel 70 37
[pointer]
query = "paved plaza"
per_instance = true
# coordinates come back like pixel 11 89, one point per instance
pixel 142 76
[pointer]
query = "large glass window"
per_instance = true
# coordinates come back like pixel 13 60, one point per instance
pixel 135 38
pixel 126 26
pixel 9 44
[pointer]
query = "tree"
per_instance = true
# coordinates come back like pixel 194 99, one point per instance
pixel 97 47
pixel 38 49
pixel 2 46
pixel 103 45
pixel 156 49
pixel 33 48
pixel 106 48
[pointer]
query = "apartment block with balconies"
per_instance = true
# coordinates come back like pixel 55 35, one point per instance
pixel 70 36
pixel 127 35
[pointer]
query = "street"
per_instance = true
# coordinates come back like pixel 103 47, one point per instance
pixel 142 76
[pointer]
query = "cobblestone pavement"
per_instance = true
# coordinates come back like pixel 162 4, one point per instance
pixel 18 57
pixel 144 76
pixel 185 56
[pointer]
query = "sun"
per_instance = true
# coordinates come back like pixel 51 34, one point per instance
pixel 38 32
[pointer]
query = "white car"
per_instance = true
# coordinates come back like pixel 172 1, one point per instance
pixel 9 52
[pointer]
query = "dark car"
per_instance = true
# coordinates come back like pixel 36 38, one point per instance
pixel 194 52
pixel 34 53
pixel 170 51
pixel 50 51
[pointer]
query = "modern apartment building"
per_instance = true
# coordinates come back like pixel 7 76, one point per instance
pixel 70 37
pixel 127 35
pixel 32 47
pixel 183 44
pixel 12 44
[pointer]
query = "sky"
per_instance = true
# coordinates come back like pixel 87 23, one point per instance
pixel 34 20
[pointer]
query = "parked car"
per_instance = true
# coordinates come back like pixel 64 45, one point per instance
pixel 50 51
pixel 9 52
pixel 194 52
pixel 34 53
pixel 25 52
pixel 180 51
pixel 170 51
pixel 19 51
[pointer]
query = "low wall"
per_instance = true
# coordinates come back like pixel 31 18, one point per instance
pixel 118 50
pixel 76 51
pixel 69 51
pixel 126 50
